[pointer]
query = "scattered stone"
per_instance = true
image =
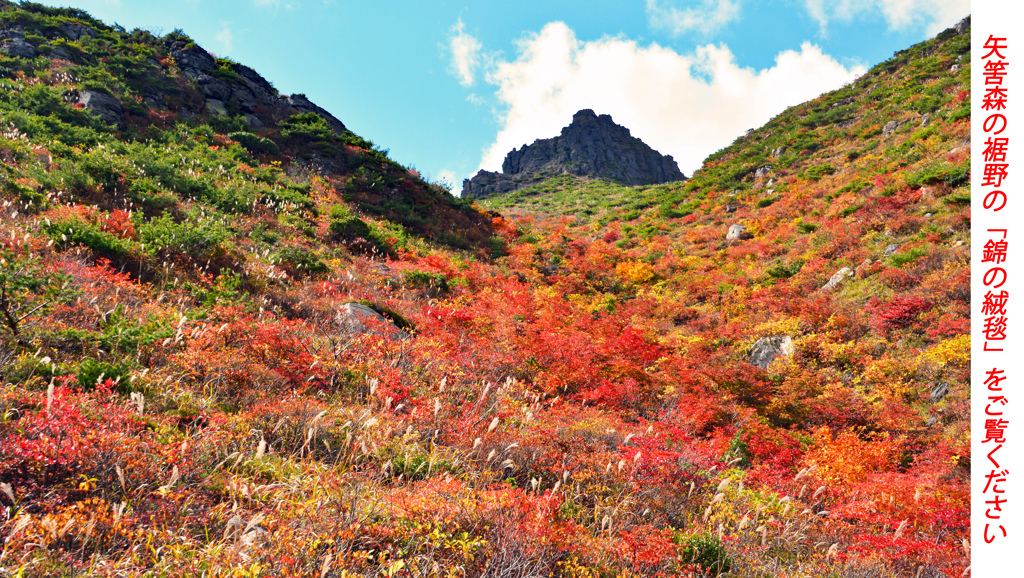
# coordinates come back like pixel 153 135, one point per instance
pixel 838 278
pixel 891 249
pixel 762 172
pixel 925 119
pixel 862 269
pixel 955 68
pixel 730 208
pixel 100 104
pixel 765 350
pixel 927 215
pixel 737 231
pixel 778 152
pixel 939 391
pixel 357 319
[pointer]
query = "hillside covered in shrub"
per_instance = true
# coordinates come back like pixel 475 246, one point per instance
pixel 237 340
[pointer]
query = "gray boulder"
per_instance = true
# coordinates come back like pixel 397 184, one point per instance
pixel 737 231
pixel 18 48
pixel 765 350
pixel 60 53
pixel 938 392
pixel 762 172
pixel 253 121
pixel 892 248
pixel 216 107
pixel 75 31
pixel 838 278
pixel 356 320
pixel 102 105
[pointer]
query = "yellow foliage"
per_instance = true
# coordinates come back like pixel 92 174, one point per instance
pixel 787 326
pixel 955 351
pixel 634 271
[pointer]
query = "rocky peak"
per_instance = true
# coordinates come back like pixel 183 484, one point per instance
pixel 591 146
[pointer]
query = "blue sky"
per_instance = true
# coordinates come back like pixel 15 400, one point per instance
pixel 451 86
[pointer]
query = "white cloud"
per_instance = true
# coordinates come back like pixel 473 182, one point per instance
pixel 934 15
pixel 226 37
pixel 687 106
pixel 465 53
pixel 450 179
pixel 707 17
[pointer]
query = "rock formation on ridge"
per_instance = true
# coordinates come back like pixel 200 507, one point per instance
pixel 592 146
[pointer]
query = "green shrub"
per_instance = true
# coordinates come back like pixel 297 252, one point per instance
pixel 91 371
pixel 425 280
pixel 783 271
pixel 306 126
pixel 706 551
pixel 816 172
pixel 301 262
pixel 349 229
pixel 850 210
pixel 197 237
pixel 255 144
pixel 900 259
pixel 77 232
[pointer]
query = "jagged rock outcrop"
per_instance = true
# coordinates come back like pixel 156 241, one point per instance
pixel 241 86
pixel 226 87
pixel 591 146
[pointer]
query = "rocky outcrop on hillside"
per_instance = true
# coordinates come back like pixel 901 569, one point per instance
pixel 227 87
pixel 591 146
pixel 234 84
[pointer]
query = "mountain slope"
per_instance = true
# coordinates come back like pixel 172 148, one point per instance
pixel 238 350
